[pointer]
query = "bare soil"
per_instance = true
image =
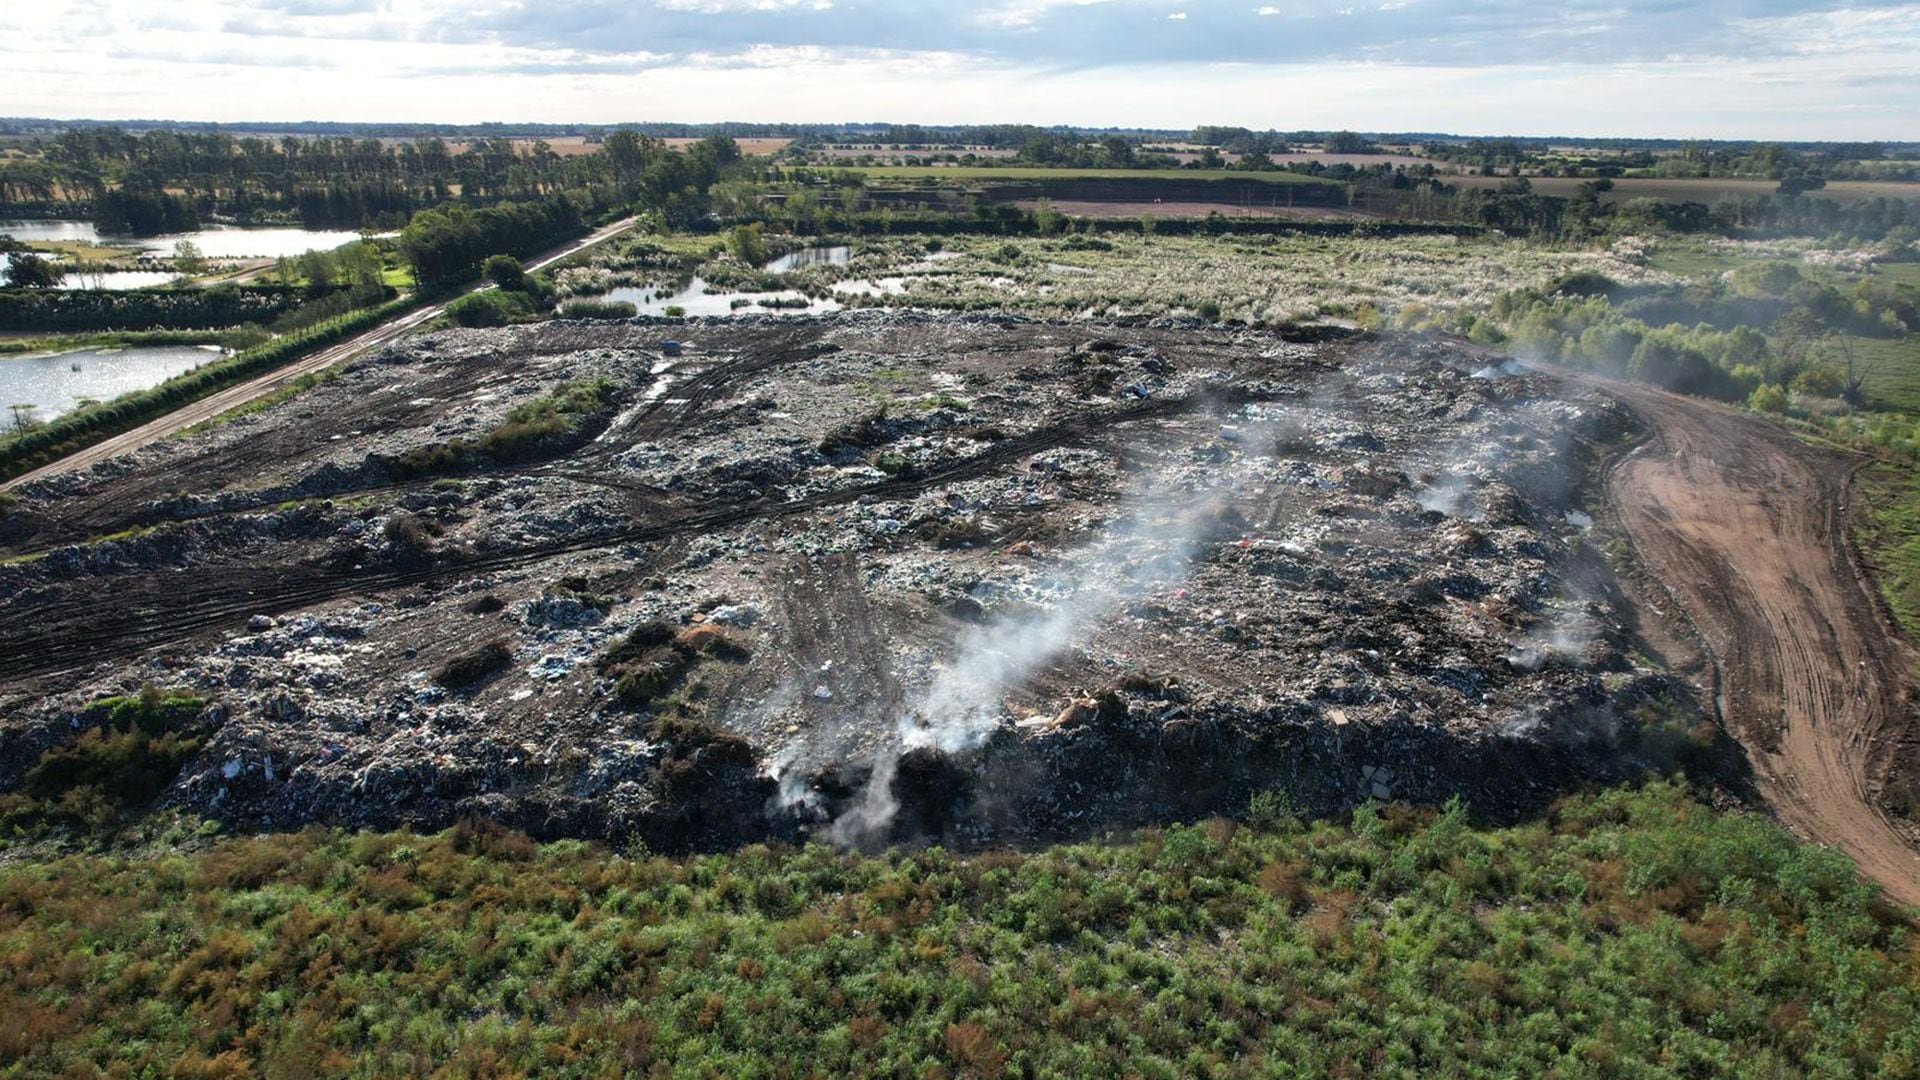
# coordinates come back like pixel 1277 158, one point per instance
pixel 1746 528
pixel 1183 209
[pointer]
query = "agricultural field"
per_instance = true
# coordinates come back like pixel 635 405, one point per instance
pixel 1187 153
pixel 750 146
pixel 842 152
pixel 1178 208
pixel 1023 172
pixel 1706 190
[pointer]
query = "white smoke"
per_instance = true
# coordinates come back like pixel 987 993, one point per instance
pixel 1151 547
pixel 1450 494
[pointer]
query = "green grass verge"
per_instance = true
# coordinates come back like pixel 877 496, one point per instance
pixel 1893 368
pixel 1627 933
pixel 1889 536
pixel 291 390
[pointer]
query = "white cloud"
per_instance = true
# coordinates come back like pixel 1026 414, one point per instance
pixel 1019 14
pixel 723 7
pixel 1787 69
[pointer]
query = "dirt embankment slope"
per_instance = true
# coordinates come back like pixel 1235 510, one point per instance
pixel 1746 526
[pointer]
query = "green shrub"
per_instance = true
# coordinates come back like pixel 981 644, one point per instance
pixel 1768 397
pixel 133 749
pixel 1628 932
pixel 505 271
pixel 491 307
pixel 474 665
pixel 526 430
pixel 597 309
pixel 654 659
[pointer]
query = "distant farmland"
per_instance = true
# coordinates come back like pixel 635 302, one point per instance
pixel 1107 210
pixel 1708 191
pixel 1700 190
pixel 1034 173
pixel 570 145
pixel 749 145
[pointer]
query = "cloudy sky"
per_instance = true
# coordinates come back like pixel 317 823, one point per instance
pixel 1731 68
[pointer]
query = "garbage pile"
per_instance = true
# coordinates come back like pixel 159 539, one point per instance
pixel 961 578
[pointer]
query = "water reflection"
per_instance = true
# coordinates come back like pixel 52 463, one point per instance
pixel 54 383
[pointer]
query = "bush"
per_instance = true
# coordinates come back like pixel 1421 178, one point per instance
pixel 654 659
pixel 1821 380
pixel 1768 397
pixel 470 667
pixel 1627 932
pixel 492 307
pixel 505 271
pixel 597 309
pixel 747 243
pixel 122 764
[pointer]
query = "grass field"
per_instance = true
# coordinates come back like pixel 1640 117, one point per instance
pixel 1628 933
pixel 749 146
pixel 1020 172
pixel 1693 260
pixel 1893 369
pixel 1889 537
pixel 1273 279
pixel 86 250
pixel 1903 275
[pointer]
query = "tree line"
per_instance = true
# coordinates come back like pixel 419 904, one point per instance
pixel 146 309
pixel 164 180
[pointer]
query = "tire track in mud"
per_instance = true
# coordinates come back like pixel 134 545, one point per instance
pixel 146 611
pixel 1746 528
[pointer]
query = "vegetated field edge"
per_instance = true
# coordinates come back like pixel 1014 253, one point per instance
pixel 1633 930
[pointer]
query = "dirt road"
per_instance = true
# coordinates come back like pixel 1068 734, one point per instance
pixel 234 396
pixel 1746 527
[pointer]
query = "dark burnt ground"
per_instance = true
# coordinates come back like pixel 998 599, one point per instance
pixel 1191 560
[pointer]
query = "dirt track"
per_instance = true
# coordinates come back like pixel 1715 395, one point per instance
pixel 1746 528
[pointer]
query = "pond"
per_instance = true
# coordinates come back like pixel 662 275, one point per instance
pixel 693 297
pixel 55 383
pixel 118 279
pixel 813 256
pixel 214 241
